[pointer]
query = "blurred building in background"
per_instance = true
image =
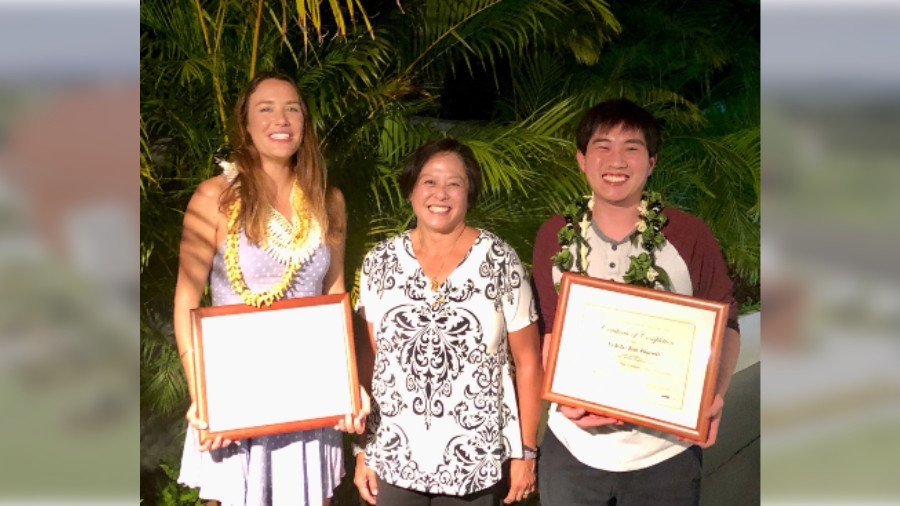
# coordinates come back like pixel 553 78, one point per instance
pixel 68 247
pixel 831 292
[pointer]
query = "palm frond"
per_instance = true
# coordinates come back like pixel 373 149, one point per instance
pixel 163 387
pixel 717 178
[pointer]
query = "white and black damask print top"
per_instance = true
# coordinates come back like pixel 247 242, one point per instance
pixel 444 415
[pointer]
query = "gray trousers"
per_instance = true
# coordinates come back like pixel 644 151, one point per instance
pixel 564 481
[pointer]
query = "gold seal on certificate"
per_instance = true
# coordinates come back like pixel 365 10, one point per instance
pixel 286 367
pixel 643 356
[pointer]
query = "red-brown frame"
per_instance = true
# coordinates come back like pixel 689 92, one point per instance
pixel 699 432
pixel 325 421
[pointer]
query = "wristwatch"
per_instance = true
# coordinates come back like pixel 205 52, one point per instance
pixel 529 453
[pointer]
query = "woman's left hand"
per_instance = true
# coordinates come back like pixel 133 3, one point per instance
pixel 356 424
pixel 521 480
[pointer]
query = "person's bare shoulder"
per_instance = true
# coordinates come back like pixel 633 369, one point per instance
pixel 212 188
pixel 204 204
pixel 334 198
pixel 209 192
pixel 336 206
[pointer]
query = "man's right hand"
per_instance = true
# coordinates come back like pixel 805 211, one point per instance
pixel 364 479
pixel 584 419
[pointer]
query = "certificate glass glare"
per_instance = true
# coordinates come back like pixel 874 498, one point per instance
pixel 286 367
pixel 639 355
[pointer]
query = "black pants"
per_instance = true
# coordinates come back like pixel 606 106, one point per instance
pixel 390 495
pixel 564 481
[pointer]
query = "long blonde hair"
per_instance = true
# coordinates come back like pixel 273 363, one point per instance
pixel 307 166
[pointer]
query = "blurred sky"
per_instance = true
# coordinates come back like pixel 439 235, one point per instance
pixel 66 42
pixel 829 43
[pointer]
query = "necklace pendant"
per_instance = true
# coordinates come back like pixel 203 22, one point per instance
pixel 437 302
pixel 434 285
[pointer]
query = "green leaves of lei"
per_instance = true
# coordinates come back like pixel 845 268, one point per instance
pixel 642 270
pixel 578 216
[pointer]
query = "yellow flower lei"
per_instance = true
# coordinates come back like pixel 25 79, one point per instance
pixel 232 260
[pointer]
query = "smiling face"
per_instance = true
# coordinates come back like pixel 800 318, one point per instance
pixel 275 121
pixel 616 164
pixel 439 197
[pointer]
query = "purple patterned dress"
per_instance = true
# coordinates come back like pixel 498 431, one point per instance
pixel 297 468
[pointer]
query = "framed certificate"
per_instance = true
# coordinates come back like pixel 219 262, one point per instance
pixel 286 367
pixel 642 356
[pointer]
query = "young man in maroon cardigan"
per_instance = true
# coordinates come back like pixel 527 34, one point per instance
pixel 587 458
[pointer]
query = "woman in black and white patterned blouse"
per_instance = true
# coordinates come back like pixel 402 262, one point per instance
pixel 457 368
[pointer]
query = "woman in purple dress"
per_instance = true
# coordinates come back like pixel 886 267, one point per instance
pixel 268 228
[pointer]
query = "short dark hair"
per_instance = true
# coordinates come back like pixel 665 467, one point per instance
pixel 612 113
pixel 425 152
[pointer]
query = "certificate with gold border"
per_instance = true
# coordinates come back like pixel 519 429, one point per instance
pixel 642 356
pixel 280 368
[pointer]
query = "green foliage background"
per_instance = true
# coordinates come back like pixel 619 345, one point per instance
pixel 508 77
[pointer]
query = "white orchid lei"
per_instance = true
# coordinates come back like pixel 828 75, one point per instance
pixel 642 269
pixel 290 244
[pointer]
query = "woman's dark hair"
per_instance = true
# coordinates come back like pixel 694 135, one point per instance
pixel 612 113
pixel 420 157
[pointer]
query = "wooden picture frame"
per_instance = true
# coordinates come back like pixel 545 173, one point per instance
pixel 281 368
pixel 636 354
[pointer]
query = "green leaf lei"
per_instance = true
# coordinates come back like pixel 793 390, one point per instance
pixel 642 270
